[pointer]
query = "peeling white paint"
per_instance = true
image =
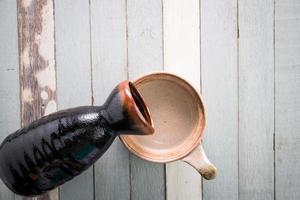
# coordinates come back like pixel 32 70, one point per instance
pixel 25 56
pixel 45 39
pixel 53 194
pixel 46 78
pixel 26 3
pixel 50 107
pixel 26 33
pixel 44 95
pixel 27 95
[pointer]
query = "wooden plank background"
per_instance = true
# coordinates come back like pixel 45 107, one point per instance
pixel 243 56
pixel 145 54
pixel 219 59
pixel 9 77
pixel 182 52
pixel 37 65
pixel 287 99
pixel 109 66
pixel 72 33
pixel 256 99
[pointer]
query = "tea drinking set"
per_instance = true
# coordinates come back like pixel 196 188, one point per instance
pixel 159 117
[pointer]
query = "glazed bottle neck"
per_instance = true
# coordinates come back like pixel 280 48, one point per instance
pixel 126 112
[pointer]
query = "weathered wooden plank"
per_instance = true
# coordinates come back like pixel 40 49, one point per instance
pixel 72 33
pixel 109 58
pixel 256 99
pixel 182 56
pixel 219 87
pixel 287 107
pixel 9 78
pixel 37 63
pixel 145 54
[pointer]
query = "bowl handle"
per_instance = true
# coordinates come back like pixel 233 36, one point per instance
pixel 198 159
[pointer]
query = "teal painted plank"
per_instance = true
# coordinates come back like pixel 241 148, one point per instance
pixel 287 105
pixel 145 54
pixel 72 31
pixel 256 99
pixel 219 88
pixel 109 59
pixel 9 78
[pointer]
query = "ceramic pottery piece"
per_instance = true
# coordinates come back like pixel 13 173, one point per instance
pixel 179 117
pixel 57 147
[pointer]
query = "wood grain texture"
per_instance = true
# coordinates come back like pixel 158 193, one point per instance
pixel 109 58
pixel 182 56
pixel 287 107
pixel 219 88
pixel 145 54
pixel 9 78
pixel 256 99
pixel 37 63
pixel 169 38
pixel 72 33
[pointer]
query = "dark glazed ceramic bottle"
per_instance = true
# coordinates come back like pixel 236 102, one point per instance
pixel 57 147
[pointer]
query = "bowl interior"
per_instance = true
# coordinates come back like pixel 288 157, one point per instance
pixel 178 117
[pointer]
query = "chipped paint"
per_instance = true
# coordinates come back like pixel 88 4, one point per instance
pixel 44 95
pixel 37 63
pixel 50 107
pixel 45 39
pixel 26 3
pixel 27 95
pixel 46 78
pixel 25 56
pixel 53 194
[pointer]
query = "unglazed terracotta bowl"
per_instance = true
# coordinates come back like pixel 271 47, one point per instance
pixel 178 114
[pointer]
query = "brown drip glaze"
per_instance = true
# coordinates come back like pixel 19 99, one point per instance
pixel 136 108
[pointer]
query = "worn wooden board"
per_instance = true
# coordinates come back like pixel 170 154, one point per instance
pixel 149 26
pixel 72 33
pixel 9 78
pixel 219 88
pixel 182 56
pixel 109 58
pixel 37 63
pixel 256 99
pixel 287 107
pixel 145 54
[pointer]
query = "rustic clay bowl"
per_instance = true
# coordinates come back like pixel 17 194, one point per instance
pixel 179 120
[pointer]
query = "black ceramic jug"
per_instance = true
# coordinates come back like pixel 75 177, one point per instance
pixel 57 147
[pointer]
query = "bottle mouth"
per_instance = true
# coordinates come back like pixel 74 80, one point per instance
pixel 141 110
